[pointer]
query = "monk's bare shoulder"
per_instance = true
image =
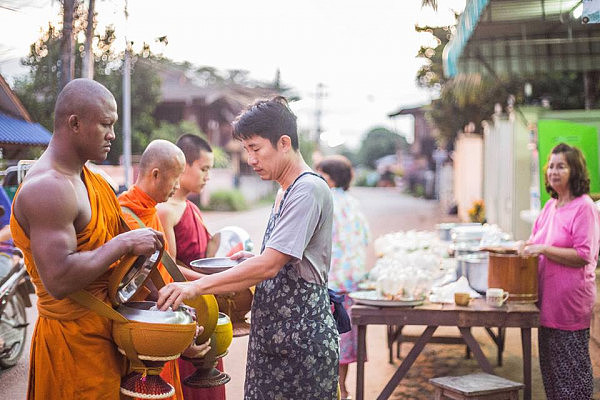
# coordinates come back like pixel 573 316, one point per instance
pixel 170 212
pixel 46 196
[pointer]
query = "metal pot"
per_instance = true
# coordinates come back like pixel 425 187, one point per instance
pixel 467 233
pixel 444 230
pixel 474 267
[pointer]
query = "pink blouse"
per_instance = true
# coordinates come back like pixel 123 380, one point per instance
pixel 567 294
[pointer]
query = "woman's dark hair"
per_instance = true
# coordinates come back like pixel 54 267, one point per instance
pixel 339 170
pixel 269 119
pixel 579 179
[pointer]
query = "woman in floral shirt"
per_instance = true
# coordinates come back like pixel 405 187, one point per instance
pixel 349 248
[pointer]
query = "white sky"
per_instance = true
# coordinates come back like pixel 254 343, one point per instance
pixel 362 51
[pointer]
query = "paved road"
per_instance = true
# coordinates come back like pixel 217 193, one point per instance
pixel 387 210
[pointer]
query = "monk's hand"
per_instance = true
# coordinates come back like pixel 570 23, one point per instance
pixel 197 350
pixel 144 241
pixel 241 255
pixel 173 294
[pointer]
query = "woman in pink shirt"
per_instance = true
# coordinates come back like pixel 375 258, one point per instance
pixel 566 237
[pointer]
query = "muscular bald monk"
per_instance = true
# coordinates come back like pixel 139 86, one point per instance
pixel 66 220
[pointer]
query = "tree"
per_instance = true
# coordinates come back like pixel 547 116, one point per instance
pixel 430 3
pixel 471 98
pixel 431 74
pixel 87 68
pixel 67 61
pixel 38 89
pixel 379 142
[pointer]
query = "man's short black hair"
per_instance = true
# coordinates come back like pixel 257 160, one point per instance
pixel 192 145
pixel 269 119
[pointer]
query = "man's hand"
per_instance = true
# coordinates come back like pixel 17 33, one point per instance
pixel 241 255
pixel 173 294
pixel 144 241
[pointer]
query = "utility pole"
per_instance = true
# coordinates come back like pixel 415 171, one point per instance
pixel 319 95
pixel 127 108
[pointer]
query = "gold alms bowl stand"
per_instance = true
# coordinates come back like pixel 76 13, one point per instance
pixel 206 374
pixel 148 345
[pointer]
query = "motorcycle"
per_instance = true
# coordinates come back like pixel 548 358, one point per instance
pixel 15 284
pixel 15 288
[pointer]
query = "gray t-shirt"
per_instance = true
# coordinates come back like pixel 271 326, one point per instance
pixel 303 229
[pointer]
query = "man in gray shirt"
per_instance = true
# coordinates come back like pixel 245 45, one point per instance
pixel 293 348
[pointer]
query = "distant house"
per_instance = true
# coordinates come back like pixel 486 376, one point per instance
pixel 424 143
pixel 18 133
pixel 212 107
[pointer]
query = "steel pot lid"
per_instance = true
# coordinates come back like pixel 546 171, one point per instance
pixel 130 276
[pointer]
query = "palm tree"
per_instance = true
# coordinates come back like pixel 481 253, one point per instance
pixel 430 3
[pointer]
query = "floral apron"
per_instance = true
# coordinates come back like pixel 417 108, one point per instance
pixel 293 348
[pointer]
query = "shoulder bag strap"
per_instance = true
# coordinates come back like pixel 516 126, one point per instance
pixel 166 259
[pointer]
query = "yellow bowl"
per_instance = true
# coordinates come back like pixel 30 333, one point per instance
pixel 152 339
pixel 207 314
pixel 223 335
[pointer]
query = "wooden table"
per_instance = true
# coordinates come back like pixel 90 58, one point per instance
pixel 477 314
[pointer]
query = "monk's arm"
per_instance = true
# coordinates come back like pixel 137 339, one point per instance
pixel 50 219
pixel 242 276
pixel 165 214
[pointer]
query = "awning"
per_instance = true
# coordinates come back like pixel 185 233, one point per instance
pixel 18 131
pixel 522 37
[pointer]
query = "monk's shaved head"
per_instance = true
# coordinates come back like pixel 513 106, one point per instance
pixel 161 165
pixel 80 97
pixel 161 154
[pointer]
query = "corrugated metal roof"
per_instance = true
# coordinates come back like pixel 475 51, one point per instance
pixel 18 131
pixel 466 25
pixel 519 10
pixel 488 23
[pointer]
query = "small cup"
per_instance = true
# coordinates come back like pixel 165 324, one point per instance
pixel 462 299
pixel 496 297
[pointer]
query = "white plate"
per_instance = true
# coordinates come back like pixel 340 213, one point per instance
pixel 212 265
pixel 366 285
pixel 371 298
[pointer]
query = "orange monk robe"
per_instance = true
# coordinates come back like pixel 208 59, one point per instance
pixel 73 355
pixel 144 207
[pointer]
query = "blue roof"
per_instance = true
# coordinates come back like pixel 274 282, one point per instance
pixel 18 131
pixel 466 25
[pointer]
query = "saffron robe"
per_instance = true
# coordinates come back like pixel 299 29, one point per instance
pixel 144 207
pixel 191 236
pixel 73 355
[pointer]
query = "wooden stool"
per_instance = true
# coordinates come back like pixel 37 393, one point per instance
pixel 475 387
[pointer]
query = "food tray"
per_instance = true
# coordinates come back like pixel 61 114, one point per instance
pixel 371 298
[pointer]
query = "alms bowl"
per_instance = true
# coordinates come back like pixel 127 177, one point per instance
pixel 154 339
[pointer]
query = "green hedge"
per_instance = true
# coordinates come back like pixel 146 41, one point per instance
pixel 227 200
